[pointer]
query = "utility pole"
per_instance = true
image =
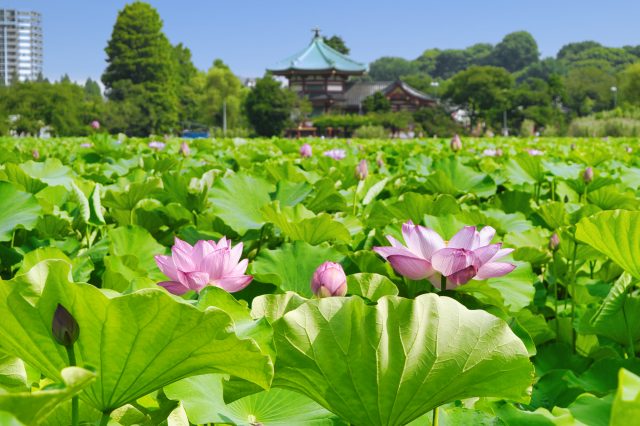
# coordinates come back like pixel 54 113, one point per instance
pixel 224 118
pixel 505 129
pixel 614 91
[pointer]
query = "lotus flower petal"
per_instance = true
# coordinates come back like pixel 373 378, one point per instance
pixel 411 267
pixel 466 238
pixel 494 269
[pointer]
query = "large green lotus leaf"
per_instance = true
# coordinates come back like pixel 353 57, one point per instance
pixel 32 408
pixel 238 200
pixel 452 177
pixel 13 376
pixel 610 198
pixel 138 342
pixel 301 224
pixel 391 363
pixel 127 198
pixel 615 234
pixel 17 208
pixel 626 405
pixel 51 171
pixel 414 206
pixel 524 168
pixel 202 399
pixel 371 286
pixel 591 410
pixel 291 266
pixel 510 415
pixel 136 242
pixel 22 180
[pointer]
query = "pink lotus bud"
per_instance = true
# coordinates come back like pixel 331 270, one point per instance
pixel 36 154
pixel 554 242
pixel 379 161
pixel 587 176
pixel 456 143
pixel 64 327
pixel 362 171
pixel 95 124
pixel 306 151
pixel 499 152
pixel 184 149
pixel 329 280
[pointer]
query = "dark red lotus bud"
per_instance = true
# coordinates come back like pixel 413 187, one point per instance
pixel 64 327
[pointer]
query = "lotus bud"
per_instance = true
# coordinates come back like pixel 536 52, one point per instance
pixel 499 152
pixel 35 154
pixel 554 242
pixel 329 280
pixel 64 327
pixel 629 150
pixel 362 171
pixel 572 147
pixel 184 149
pixel 379 161
pixel 95 124
pixel 306 151
pixel 456 143
pixel 587 176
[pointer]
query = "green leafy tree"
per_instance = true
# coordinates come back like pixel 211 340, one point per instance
pixel 484 90
pixel 391 68
pixel 437 121
pixel 337 43
pixel 589 89
pixel 376 103
pixel 221 86
pixel 187 82
pixel 630 84
pixel 516 51
pixel 269 107
pixel 141 69
pixel 568 51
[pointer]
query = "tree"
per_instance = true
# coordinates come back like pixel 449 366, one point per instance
pixel 141 68
pixel 569 50
pixel 269 107
pixel 221 86
pixel 376 103
pixel 391 68
pixel 516 51
pixel 187 84
pixel 337 43
pixel 589 89
pixel 484 90
pixel 630 84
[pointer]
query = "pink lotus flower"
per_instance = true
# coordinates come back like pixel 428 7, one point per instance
pixel 95 124
pixel 156 145
pixel 329 280
pixel 535 152
pixel 204 264
pixel 587 175
pixel 362 171
pixel 468 255
pixel 336 154
pixel 86 145
pixel 35 154
pixel 306 151
pixel 491 152
pixel 456 143
pixel 184 149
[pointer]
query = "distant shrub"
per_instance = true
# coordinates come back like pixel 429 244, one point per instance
pixel 593 127
pixel 371 132
pixel 527 128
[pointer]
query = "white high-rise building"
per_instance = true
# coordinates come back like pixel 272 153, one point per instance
pixel 20 45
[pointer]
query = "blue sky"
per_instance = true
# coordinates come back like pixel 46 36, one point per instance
pixel 251 35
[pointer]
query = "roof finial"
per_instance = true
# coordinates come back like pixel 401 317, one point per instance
pixel 316 31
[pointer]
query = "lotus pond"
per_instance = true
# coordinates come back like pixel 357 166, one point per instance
pixel 267 282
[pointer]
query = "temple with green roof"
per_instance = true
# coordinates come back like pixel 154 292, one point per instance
pixel 323 75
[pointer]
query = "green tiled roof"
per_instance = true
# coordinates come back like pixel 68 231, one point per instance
pixel 318 57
